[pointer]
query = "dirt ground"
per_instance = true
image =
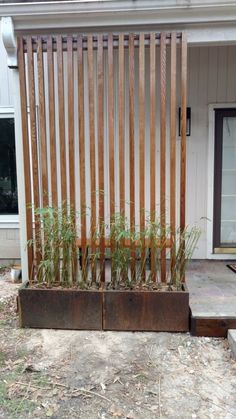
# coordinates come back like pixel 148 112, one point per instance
pixel 88 375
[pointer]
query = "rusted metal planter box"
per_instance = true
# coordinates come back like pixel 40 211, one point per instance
pixel 165 311
pixel 60 308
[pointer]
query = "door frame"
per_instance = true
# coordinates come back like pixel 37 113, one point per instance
pixel 229 253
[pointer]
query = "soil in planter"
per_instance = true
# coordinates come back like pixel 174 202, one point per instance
pixel 146 286
pixel 59 285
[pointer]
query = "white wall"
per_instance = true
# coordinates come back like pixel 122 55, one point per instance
pixel 211 80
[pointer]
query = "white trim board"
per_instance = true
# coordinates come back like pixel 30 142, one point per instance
pixel 210 181
pixel 6 112
pixel 9 221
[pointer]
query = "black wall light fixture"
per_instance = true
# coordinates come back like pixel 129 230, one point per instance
pixel 188 122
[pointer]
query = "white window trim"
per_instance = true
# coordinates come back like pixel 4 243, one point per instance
pixel 8 220
pixel 210 185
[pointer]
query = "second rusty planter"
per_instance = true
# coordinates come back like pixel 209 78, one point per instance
pixel 164 311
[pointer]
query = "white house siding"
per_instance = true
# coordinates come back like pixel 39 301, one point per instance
pixel 211 75
pixel 9 237
pixel 211 80
pixel 9 244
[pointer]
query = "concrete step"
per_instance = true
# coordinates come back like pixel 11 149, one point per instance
pixel 232 340
pixel 212 298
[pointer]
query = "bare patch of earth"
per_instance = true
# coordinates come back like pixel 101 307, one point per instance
pixel 88 375
pixel 7 287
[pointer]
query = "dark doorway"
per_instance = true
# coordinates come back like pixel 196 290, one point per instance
pixel 224 236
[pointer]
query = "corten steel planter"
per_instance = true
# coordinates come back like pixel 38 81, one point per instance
pixel 161 311
pixel 60 308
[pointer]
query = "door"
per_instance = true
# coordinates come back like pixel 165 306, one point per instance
pixel 224 236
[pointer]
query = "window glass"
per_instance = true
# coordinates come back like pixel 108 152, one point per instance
pixel 228 195
pixel 8 183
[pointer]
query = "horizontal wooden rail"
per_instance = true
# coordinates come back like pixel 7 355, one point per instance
pixel 126 243
pixel 147 37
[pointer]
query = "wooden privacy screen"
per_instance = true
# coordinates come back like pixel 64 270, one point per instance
pixel 99 129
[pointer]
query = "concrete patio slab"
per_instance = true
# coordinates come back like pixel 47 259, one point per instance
pixel 212 289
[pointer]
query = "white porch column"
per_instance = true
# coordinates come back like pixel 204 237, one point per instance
pixel 7 32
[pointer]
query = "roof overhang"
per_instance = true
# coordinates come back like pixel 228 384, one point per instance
pixel 207 21
pixel 90 13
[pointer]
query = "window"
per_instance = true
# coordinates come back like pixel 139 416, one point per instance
pixel 8 181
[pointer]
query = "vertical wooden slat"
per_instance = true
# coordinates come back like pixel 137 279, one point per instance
pixel 183 129
pixel 153 145
pixel 33 136
pixel 42 123
pixel 52 134
pixel 163 152
pixel 183 137
pixel 142 147
pixel 173 151
pixel 111 124
pixel 111 135
pixel 82 151
pixel 70 76
pixel 121 105
pixel 131 148
pixel 61 107
pixel 26 153
pixel 51 95
pixel 121 124
pixel 101 154
pixel 92 152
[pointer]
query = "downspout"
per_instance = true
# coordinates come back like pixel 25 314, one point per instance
pixel 9 41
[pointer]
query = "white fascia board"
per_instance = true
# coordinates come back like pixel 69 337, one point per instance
pixel 215 35
pixel 74 14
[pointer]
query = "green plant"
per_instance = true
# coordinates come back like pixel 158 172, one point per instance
pixel 149 244
pixel 14 407
pixel 56 240
pixel 142 249
pixel 119 234
pixel 184 245
pixel 156 237
pixel 89 255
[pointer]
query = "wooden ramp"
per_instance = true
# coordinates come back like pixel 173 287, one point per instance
pixel 212 288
